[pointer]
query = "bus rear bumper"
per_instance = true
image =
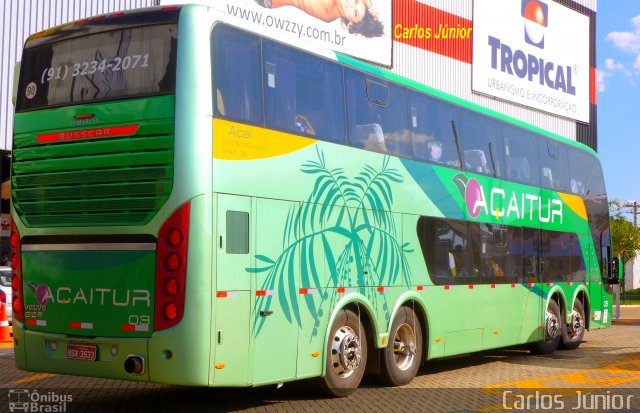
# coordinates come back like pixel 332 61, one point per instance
pixel 166 359
pixel 48 353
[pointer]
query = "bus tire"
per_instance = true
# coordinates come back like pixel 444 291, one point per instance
pixel 573 333
pixel 402 357
pixel 552 331
pixel 346 356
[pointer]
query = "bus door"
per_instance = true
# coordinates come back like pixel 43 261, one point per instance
pixel 276 281
pixel 232 294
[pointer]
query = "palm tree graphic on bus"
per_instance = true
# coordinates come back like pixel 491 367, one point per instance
pixel 346 227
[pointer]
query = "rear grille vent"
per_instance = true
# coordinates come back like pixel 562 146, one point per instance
pixel 106 181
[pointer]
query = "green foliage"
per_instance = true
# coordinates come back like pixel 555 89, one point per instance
pixel 345 223
pixel 625 237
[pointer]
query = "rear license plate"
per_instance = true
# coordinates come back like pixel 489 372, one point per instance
pixel 78 352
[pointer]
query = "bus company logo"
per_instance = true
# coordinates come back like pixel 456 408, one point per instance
pixel 536 19
pixel 91 296
pixel 501 203
pixel 24 400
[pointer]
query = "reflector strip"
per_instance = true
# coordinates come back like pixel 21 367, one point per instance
pixel 342 290
pixel 305 291
pixel 87 133
pixel 227 294
pixel 134 327
pixel 34 322
pixel 83 326
pixel 262 293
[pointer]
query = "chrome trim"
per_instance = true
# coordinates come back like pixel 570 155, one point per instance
pixel 112 246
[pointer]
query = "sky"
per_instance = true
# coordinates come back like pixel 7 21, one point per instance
pixel 618 64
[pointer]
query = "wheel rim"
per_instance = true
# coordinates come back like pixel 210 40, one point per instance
pixel 346 351
pixel 404 346
pixel 552 326
pixel 577 324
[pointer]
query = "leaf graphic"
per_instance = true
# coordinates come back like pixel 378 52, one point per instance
pixel 265 259
pixel 460 180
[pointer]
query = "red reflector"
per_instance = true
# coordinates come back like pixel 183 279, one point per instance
pixel 493 286
pixel 81 21
pixel 75 324
pixel 171 311
pixel 569 283
pixel 513 286
pixel 171 286
pixel 87 116
pixel 173 262
pixel 531 285
pixel 261 293
pixel 168 8
pixel 471 286
pixel 548 284
pixel 128 327
pixel 380 289
pixel 420 287
pixel 118 14
pixel 447 287
pixel 87 133
pixel 340 289
pixel 585 283
pixel 304 291
pixel 175 238
pixel 221 294
pixel 32 322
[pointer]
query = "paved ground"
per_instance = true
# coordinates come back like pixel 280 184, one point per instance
pixel 602 375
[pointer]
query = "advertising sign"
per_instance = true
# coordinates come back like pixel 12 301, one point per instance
pixel 534 53
pixel 360 28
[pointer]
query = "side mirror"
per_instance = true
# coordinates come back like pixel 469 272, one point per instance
pixel 16 80
pixel 616 272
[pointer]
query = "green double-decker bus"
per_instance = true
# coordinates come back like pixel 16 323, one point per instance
pixel 196 203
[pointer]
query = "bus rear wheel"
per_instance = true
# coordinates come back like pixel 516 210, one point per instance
pixel 346 356
pixel 552 331
pixel 402 356
pixel 573 333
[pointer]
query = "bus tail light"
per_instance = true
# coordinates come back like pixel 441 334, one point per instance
pixel 16 277
pixel 171 269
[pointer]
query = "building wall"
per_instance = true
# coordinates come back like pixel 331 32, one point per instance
pixel 20 18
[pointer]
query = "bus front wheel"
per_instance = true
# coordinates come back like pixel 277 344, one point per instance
pixel 403 354
pixel 552 331
pixel 346 356
pixel 573 333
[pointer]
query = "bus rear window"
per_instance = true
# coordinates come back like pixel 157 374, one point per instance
pixel 117 64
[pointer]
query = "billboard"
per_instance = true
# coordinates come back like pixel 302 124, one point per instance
pixel 359 28
pixel 534 53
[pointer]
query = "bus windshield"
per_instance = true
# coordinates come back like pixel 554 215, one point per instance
pixel 116 64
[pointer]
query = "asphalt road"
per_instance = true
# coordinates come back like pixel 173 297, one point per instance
pixel 602 375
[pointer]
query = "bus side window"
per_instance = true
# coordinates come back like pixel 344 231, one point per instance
pixel 303 93
pixel 377 115
pixel 482 144
pixel 521 155
pixel 236 75
pixel 432 130
pixel 554 165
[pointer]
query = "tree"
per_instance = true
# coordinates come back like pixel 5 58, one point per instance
pixel 625 237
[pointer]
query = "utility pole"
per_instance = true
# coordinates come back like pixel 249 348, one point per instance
pixel 635 205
